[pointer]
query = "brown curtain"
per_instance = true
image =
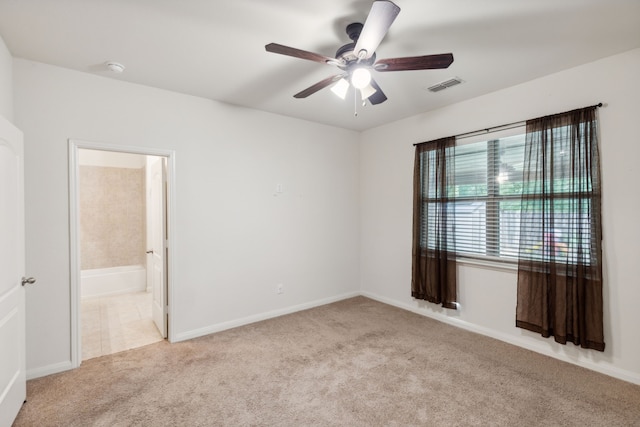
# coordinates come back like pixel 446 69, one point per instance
pixel 434 252
pixel 560 254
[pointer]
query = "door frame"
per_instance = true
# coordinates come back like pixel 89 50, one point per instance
pixel 156 259
pixel 74 229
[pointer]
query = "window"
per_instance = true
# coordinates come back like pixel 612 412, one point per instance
pixel 485 202
pixel 486 197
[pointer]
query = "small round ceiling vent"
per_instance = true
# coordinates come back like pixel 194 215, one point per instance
pixel 115 67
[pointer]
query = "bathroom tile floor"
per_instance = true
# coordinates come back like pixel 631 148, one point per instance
pixel 116 323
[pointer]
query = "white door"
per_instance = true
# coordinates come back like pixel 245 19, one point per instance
pixel 13 389
pixel 157 233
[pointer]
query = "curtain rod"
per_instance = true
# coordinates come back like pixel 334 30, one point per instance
pixel 495 128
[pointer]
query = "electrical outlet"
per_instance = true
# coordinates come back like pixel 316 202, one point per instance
pixel 280 288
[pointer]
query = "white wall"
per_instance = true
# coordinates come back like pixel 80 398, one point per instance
pixel 111 159
pixel 6 82
pixel 235 240
pixel 488 296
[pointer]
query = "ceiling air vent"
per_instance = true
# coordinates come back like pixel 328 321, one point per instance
pixel 445 84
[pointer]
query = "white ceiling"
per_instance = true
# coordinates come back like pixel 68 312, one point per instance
pixel 215 49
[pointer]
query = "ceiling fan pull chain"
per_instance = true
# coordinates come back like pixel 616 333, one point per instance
pixel 355 102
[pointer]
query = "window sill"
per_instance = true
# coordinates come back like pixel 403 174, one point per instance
pixel 493 265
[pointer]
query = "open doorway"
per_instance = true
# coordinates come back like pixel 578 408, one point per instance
pixel 120 256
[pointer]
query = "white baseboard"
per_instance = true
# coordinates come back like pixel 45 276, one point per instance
pixel 49 370
pixel 259 317
pixel 611 371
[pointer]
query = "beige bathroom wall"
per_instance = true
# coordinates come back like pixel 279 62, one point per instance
pixel 112 217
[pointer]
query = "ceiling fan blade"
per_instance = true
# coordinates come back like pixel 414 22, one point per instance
pixel 380 18
pixel 378 97
pixel 316 87
pixel 297 53
pixel 427 62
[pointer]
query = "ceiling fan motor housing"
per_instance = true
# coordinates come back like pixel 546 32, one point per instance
pixel 354 30
pixel 346 53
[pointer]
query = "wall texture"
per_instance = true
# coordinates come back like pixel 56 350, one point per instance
pixel 488 295
pixel 236 240
pixel 112 217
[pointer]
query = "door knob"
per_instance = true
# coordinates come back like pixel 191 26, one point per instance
pixel 150 252
pixel 28 280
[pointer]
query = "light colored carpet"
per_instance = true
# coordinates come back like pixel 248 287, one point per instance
pixel 352 363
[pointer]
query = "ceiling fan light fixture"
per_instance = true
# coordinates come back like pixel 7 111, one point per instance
pixel 360 78
pixel 341 88
pixel 367 91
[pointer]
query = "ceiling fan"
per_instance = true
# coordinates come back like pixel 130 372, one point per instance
pixel 358 58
